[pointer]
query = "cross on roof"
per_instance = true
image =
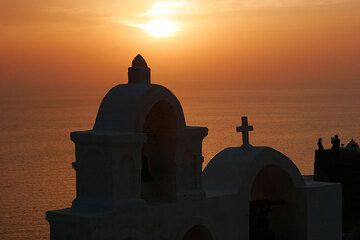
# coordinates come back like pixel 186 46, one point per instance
pixel 245 128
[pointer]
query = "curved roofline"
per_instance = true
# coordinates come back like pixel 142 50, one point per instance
pixel 126 106
pixel 193 222
pixel 150 100
pixel 233 170
pixel 262 160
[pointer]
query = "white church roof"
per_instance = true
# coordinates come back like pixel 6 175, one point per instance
pixel 233 170
pixel 125 107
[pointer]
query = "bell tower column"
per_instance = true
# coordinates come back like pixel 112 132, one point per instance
pixel 108 168
pixel 189 162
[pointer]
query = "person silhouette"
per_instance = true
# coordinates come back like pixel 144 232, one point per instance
pixel 335 143
pixel 320 145
pixel 259 220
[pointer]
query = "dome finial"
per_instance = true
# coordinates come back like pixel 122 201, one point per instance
pixel 139 61
pixel 139 72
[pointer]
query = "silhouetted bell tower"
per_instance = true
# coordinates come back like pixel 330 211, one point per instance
pixel 139 72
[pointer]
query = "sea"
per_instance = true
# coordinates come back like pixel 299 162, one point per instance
pixel 36 152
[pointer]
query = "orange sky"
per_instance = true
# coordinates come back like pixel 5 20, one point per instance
pixel 241 44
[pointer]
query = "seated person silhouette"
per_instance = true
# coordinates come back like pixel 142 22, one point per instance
pixel 145 171
pixel 320 145
pixel 259 220
pixel 335 143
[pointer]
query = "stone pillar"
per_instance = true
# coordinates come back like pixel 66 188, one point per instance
pixel 189 160
pixel 108 168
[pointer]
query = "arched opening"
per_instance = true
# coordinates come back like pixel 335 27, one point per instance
pixel 158 160
pixel 198 232
pixel 272 206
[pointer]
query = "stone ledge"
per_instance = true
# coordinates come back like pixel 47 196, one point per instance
pixel 107 137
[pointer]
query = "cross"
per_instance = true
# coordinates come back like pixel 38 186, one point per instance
pixel 245 129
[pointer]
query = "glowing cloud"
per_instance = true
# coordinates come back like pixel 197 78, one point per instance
pixel 159 27
pixel 162 17
pixel 168 8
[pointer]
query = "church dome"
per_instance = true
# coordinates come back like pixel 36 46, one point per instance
pixel 126 106
pixel 234 169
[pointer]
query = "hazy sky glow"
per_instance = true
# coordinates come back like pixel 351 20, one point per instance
pixel 242 43
pixel 161 14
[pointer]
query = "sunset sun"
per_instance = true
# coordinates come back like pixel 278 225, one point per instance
pixel 160 20
pixel 160 28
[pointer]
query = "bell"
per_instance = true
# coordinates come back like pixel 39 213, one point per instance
pixel 145 172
